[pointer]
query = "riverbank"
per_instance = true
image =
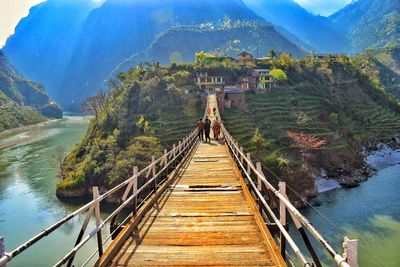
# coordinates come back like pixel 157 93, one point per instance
pixel 28 178
pixel 376 157
pixel 9 132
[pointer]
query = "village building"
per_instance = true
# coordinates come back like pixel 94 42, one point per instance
pixel 264 60
pixel 211 83
pixel 234 97
pixel 264 81
pixel 245 59
pixel 247 82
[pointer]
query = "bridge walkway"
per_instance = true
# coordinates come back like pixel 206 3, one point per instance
pixel 205 217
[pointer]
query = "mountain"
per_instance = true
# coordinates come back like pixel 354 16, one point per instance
pixel 369 23
pixel 44 41
pixel 315 31
pixel 383 64
pixel 22 101
pixel 179 44
pixel 79 44
pixel 148 109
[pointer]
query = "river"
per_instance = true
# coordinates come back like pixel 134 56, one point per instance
pixel 28 178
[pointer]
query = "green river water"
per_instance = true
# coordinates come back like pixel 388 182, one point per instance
pixel 28 177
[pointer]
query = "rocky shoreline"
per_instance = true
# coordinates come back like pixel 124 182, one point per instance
pixel 377 156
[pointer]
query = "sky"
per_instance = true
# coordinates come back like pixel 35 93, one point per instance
pixel 322 7
pixel 11 12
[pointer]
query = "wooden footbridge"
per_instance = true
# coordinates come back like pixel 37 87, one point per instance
pixel 200 204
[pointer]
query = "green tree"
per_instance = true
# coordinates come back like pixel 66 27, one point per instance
pixel 285 59
pixel 258 141
pixel 278 75
pixel 272 53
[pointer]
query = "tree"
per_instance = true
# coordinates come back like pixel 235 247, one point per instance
pixel 272 53
pixel 285 59
pixel 94 104
pixel 59 155
pixel 258 141
pixel 278 75
pixel 306 142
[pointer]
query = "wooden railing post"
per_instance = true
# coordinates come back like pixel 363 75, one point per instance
pixel 304 236
pixel 135 187
pixel 282 218
pixel 248 164
pixel 153 171
pixel 350 251
pixel 241 155
pixel 98 220
pixel 165 160
pixel 2 248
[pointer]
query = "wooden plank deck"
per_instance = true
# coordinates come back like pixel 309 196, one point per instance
pixel 206 217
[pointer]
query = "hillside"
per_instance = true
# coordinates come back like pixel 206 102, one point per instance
pixel 179 44
pixel 383 64
pixel 146 110
pixel 331 100
pixel 369 23
pixel 76 37
pixel 22 101
pixel 315 31
pixel 47 35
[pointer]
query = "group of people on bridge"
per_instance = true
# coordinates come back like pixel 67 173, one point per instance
pixel 204 129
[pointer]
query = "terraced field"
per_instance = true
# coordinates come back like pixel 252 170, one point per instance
pixel 277 112
pixel 171 130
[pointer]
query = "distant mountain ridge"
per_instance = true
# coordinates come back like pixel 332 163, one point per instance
pixel 369 23
pixel 315 31
pixel 22 101
pixel 102 37
pixel 179 44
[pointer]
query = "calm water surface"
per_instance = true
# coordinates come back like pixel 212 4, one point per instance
pixel 370 212
pixel 28 178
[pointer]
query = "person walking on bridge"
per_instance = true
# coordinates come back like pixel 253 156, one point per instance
pixel 207 128
pixel 200 129
pixel 216 128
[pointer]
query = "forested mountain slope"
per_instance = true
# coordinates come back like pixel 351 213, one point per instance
pixel 180 44
pixel 22 101
pixel 369 23
pixel 316 31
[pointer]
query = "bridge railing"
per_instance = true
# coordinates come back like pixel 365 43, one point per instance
pixel 264 193
pixel 141 184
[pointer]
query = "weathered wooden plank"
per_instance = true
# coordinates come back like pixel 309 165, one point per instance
pixel 203 219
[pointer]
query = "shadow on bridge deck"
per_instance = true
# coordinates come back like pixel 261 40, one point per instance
pixel 205 217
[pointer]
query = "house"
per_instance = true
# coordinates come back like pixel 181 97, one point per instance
pixel 328 56
pixel 234 97
pixel 213 83
pixel 264 60
pixel 247 82
pixel 245 59
pixel 264 81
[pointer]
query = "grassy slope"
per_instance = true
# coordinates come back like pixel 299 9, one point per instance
pixel 384 64
pixel 115 141
pixel 341 105
pixel 14 115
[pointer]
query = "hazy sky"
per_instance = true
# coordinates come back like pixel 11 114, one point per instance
pixel 11 11
pixel 323 7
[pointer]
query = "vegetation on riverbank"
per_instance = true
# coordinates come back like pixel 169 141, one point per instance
pixel 331 102
pixel 22 101
pixel 147 108
pixel 330 99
